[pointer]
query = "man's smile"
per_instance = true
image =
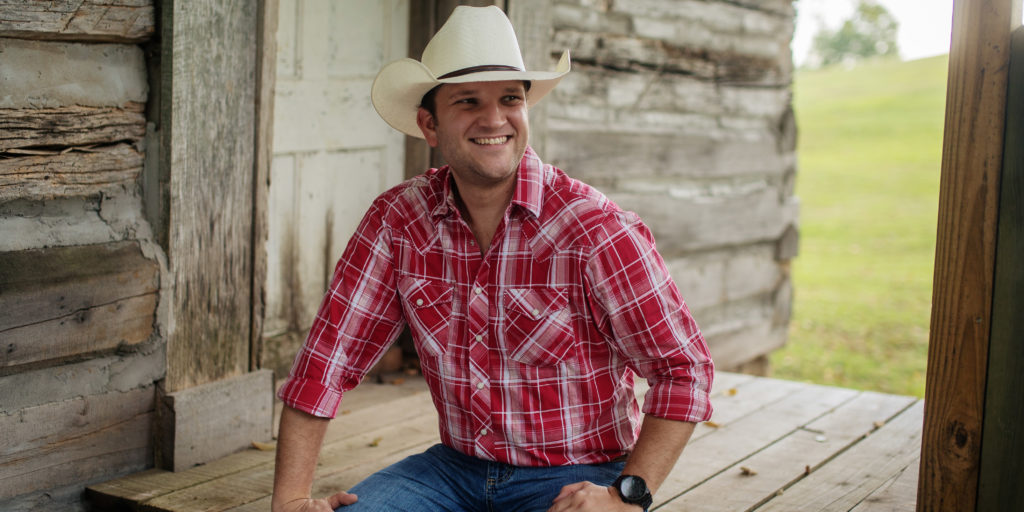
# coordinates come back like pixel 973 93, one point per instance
pixel 487 141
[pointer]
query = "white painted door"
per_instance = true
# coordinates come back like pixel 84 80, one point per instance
pixel 332 153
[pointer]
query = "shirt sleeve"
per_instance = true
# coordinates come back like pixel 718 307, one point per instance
pixel 358 319
pixel 650 326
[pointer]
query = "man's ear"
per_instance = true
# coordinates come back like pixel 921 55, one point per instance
pixel 428 125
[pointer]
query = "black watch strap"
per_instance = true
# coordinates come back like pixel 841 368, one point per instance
pixel 633 490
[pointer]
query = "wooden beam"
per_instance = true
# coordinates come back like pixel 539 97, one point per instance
pixel 66 301
pixel 1002 446
pixel 82 172
pixel 965 255
pixel 119 21
pixel 70 126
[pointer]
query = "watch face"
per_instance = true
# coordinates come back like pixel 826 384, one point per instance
pixel 632 487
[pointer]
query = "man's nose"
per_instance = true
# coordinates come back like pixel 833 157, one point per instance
pixel 493 115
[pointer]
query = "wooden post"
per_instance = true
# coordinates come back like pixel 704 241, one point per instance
pixel 965 255
pixel 213 83
pixel 1002 446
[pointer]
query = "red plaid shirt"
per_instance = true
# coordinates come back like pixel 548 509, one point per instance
pixel 529 351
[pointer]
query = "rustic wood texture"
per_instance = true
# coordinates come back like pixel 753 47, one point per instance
pixel 1002 455
pixel 681 111
pixel 212 420
pixel 806 447
pixel 69 301
pixel 120 21
pixel 85 171
pixel 70 126
pixel 208 101
pixel 66 442
pixel 965 255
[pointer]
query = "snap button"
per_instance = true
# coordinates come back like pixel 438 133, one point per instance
pixel 483 431
pixel 536 312
pixel 479 337
pixel 478 291
pixel 419 302
pixel 480 385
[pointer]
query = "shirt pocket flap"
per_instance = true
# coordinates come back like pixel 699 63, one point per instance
pixel 536 303
pixel 422 294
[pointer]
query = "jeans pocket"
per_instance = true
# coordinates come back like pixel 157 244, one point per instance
pixel 538 325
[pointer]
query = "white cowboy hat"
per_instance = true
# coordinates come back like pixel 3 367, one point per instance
pixel 476 44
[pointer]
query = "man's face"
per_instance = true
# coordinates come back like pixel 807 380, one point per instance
pixel 481 129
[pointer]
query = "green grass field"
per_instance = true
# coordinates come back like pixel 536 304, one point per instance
pixel 870 149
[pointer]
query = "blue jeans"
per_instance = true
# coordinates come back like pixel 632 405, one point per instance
pixel 442 479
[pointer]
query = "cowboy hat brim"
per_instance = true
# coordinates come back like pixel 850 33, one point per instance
pixel 400 86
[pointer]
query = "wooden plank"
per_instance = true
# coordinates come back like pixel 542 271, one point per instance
pixel 266 69
pixel 859 471
pixel 123 21
pixel 1002 446
pixel 65 301
pixel 375 408
pixel 965 254
pixel 209 49
pixel 210 421
pixel 899 494
pixel 71 442
pixel 87 172
pixel 788 460
pixel 735 440
pixel 70 126
pixel 354 453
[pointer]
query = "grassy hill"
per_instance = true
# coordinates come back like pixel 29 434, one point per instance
pixel 869 149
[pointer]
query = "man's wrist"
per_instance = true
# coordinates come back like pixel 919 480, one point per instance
pixel 633 490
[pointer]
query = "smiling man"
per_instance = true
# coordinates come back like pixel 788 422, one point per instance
pixel 533 301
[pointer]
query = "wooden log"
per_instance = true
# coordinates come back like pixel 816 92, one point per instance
pixel 67 301
pixel 70 126
pixel 86 172
pixel 119 21
pixel 74 441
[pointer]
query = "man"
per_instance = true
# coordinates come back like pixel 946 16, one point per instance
pixel 532 300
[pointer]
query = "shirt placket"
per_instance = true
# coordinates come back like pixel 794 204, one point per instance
pixel 478 322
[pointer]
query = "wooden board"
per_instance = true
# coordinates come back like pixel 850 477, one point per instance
pixel 90 20
pixel 896 495
pixel 70 126
pixel 965 254
pixel 1002 446
pixel 757 479
pixel 66 301
pixel 40 175
pixel 858 472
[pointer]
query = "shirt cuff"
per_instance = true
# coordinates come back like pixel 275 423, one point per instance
pixel 310 396
pixel 686 401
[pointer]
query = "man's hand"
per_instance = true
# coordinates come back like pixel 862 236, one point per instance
pixel 585 496
pixel 327 504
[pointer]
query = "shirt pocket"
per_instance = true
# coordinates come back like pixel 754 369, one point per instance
pixel 538 326
pixel 428 310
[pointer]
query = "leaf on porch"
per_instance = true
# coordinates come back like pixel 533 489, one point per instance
pixel 712 424
pixel 745 471
pixel 376 442
pixel 264 447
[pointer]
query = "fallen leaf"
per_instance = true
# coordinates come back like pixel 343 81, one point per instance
pixel 879 424
pixel 731 392
pixel 376 442
pixel 745 471
pixel 346 411
pixel 807 470
pixel 820 439
pixel 264 447
pixel 712 424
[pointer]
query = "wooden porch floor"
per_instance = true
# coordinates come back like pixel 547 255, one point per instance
pixel 772 445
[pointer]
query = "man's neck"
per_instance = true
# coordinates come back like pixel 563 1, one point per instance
pixel 483 207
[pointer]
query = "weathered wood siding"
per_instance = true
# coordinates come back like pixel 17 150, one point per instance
pixel 80 274
pixel 681 111
pixel 332 153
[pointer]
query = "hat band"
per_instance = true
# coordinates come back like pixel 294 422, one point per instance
pixel 478 69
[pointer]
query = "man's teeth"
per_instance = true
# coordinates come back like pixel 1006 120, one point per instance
pixel 492 140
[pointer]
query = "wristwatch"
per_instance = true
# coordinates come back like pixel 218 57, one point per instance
pixel 633 490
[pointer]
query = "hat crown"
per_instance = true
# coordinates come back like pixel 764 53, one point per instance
pixel 472 37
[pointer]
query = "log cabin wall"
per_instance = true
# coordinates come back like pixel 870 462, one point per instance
pixel 80 269
pixel 681 111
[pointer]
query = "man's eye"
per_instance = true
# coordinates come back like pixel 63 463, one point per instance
pixel 513 99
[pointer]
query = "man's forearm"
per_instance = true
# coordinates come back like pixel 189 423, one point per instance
pixel 298 447
pixel 657 449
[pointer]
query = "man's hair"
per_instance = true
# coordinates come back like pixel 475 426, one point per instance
pixel 429 100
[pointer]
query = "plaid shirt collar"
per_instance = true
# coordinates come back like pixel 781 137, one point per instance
pixel 529 193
